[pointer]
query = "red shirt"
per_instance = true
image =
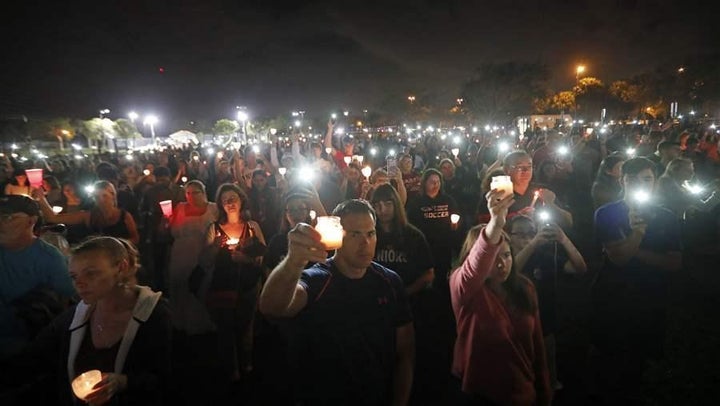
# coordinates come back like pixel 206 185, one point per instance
pixel 499 353
pixel 340 159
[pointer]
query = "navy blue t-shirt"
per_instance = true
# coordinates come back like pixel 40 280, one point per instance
pixel 344 339
pixel 630 300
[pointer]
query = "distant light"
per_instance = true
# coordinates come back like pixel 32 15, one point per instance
pixel 210 151
pixel 487 127
pixel 14 146
pixel 630 151
pixel 297 123
pixel 456 140
pixel 150 119
pixel 256 149
pixel 89 189
pixel 242 115
pixel 475 129
pixel 129 157
pixel 273 131
pixel 373 151
pixel 340 130
pixel 563 150
pixel 346 113
pixel 391 152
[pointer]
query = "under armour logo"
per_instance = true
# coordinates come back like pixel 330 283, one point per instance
pixel 382 300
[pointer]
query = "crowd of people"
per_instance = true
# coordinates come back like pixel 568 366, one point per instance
pixel 443 291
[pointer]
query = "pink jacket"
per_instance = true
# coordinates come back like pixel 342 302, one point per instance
pixel 499 352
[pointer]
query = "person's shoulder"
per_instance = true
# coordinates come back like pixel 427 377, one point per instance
pixel 412 231
pixel 318 270
pixel 46 250
pixel 609 208
pixel 385 273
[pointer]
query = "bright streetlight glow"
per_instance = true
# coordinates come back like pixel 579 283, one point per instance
pixel 133 116
pixel 151 120
pixel 242 116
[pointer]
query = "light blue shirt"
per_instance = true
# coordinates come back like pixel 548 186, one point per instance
pixel 21 271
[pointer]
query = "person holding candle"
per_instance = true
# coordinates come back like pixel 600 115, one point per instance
pixel 120 328
pixel 518 165
pixel 230 287
pixel 541 257
pixel 353 337
pixel 499 355
pixel 188 227
pixel 104 218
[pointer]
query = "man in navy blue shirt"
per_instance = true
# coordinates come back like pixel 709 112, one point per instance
pixel 641 245
pixel 352 333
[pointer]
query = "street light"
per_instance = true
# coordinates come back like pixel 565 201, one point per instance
pixel 151 120
pixel 411 99
pixel 132 116
pixel 104 111
pixel 580 69
pixel 242 116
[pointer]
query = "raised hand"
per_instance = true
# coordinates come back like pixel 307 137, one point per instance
pixel 304 246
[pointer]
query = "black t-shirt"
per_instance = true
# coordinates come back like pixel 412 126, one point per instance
pixel 432 217
pixel 406 252
pixel 543 268
pixel 277 250
pixel 343 341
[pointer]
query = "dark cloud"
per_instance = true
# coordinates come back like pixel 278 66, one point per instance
pixel 74 58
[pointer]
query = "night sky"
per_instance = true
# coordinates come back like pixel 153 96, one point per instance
pixel 73 58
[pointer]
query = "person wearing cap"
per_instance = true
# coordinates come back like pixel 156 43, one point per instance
pixel 27 264
pixel 348 146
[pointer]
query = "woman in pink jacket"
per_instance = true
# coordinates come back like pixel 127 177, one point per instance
pixel 499 356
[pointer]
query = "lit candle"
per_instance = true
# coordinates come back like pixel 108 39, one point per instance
pixel 184 179
pixel 146 172
pixel 84 383
pixel 331 231
pixel 232 243
pixel 366 171
pixel 282 171
pixel 454 218
pixel 313 214
pixel 502 183
pixel 455 151
pixel 57 209
pixel 328 150
pixel 347 160
pixel 535 197
pixel 360 158
pixel 166 207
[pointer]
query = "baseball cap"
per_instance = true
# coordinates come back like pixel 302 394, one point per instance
pixel 19 204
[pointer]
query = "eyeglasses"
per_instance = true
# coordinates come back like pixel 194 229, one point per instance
pixel 523 168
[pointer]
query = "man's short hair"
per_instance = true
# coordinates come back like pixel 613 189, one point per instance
pixel 19 204
pixel 347 140
pixel 512 157
pixel 354 206
pixel 636 165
